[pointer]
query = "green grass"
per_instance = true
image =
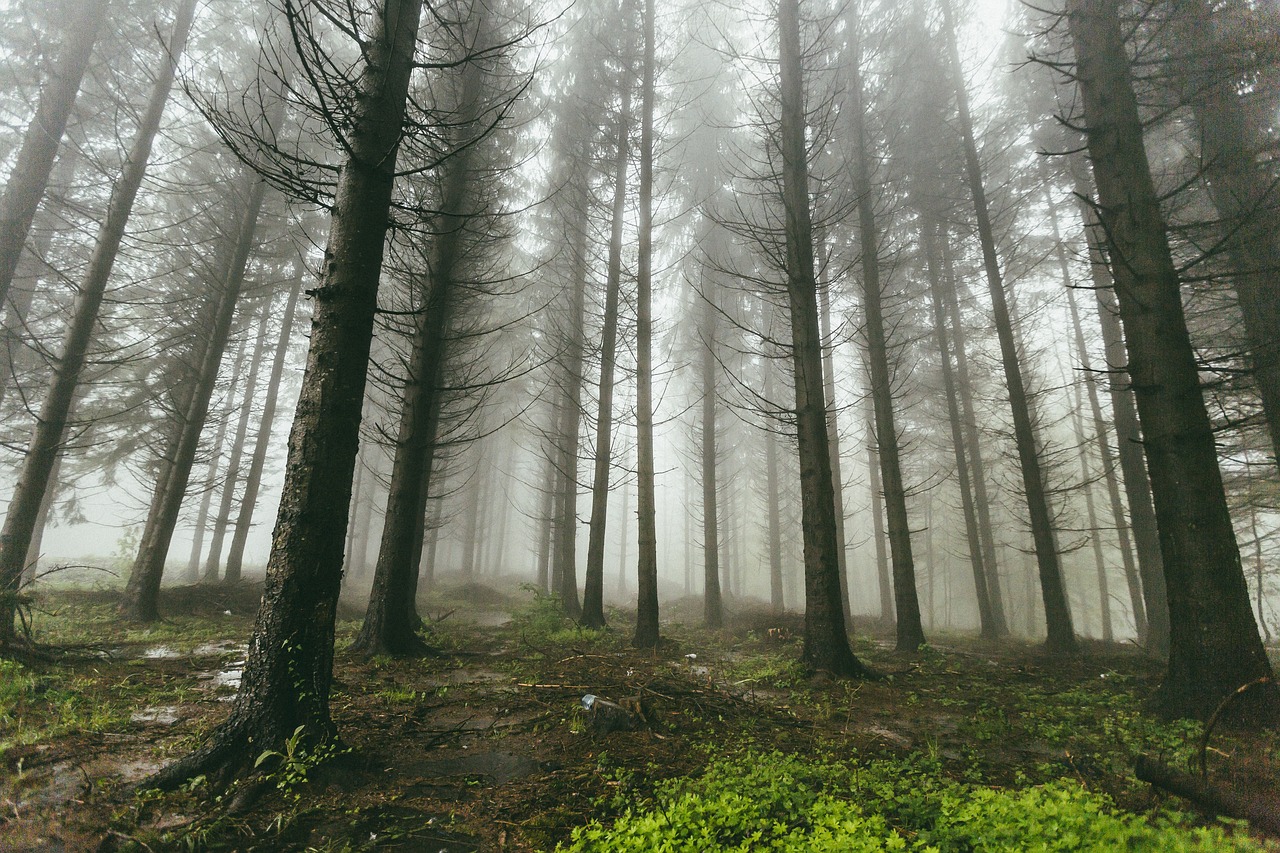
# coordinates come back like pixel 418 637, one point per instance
pixel 771 801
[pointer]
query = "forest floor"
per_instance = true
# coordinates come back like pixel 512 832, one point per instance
pixel 486 747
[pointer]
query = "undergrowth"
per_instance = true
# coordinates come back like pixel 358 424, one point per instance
pixel 770 801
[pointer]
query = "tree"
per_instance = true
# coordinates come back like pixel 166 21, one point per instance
pixel 46 439
pixel 646 633
pixel 391 620
pixel 289 668
pixel 593 591
pixel 1214 644
pixel 826 643
pixel 1061 636
pixel 910 632
pixel 40 143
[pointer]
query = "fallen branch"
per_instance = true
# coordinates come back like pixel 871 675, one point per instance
pixel 1262 811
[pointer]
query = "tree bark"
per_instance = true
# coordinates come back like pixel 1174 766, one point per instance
pixel 1214 642
pixel 30 176
pixel 593 592
pixel 826 643
pixel 883 579
pixel 262 441
pixel 773 504
pixel 289 669
pixel 646 633
pixel 1061 636
pixel 46 440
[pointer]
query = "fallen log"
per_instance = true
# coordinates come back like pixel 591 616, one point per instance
pixel 1261 810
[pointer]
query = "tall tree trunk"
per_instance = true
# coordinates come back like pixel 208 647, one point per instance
pixel 546 521
pixel 712 606
pixel 646 633
pixel 1137 485
pixel 215 459
pixel 883 580
pixel 292 642
pixel 262 441
pixel 973 442
pixel 46 440
pixel 593 591
pixel 833 443
pixel 623 541
pixel 773 505
pixel 826 643
pixel 564 554
pixel 1091 516
pixel 213 561
pixel 391 619
pixel 1104 451
pixel 31 169
pixel 1061 636
pixel 1214 643
pixel 910 631
pixel 142 592
pixel 973 539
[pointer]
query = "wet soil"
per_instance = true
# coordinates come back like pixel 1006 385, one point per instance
pixel 486 746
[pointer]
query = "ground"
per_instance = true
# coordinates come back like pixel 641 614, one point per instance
pixel 487 747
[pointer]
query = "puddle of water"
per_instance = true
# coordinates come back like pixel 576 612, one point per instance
pixel 226 647
pixel 160 653
pixel 166 715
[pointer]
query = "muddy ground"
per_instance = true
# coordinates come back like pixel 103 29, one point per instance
pixel 485 747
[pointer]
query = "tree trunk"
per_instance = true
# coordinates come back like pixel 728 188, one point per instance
pixel 773 502
pixel 826 643
pixel 712 606
pixel 391 619
pixel 46 440
pixel 593 592
pixel 1214 642
pixel 833 444
pixel 883 580
pixel 987 624
pixel 31 169
pixel 289 669
pixel 218 449
pixel 213 560
pixel 910 632
pixel 142 592
pixel 1061 636
pixel 546 521
pixel 973 442
pixel 1137 485
pixel 646 633
pixel 262 441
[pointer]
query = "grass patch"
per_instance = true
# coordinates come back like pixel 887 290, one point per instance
pixel 770 801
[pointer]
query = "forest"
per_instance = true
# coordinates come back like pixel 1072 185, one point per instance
pixel 636 425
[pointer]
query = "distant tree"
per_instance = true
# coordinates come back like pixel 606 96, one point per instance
pixel 1061 635
pixel 31 170
pixel 47 437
